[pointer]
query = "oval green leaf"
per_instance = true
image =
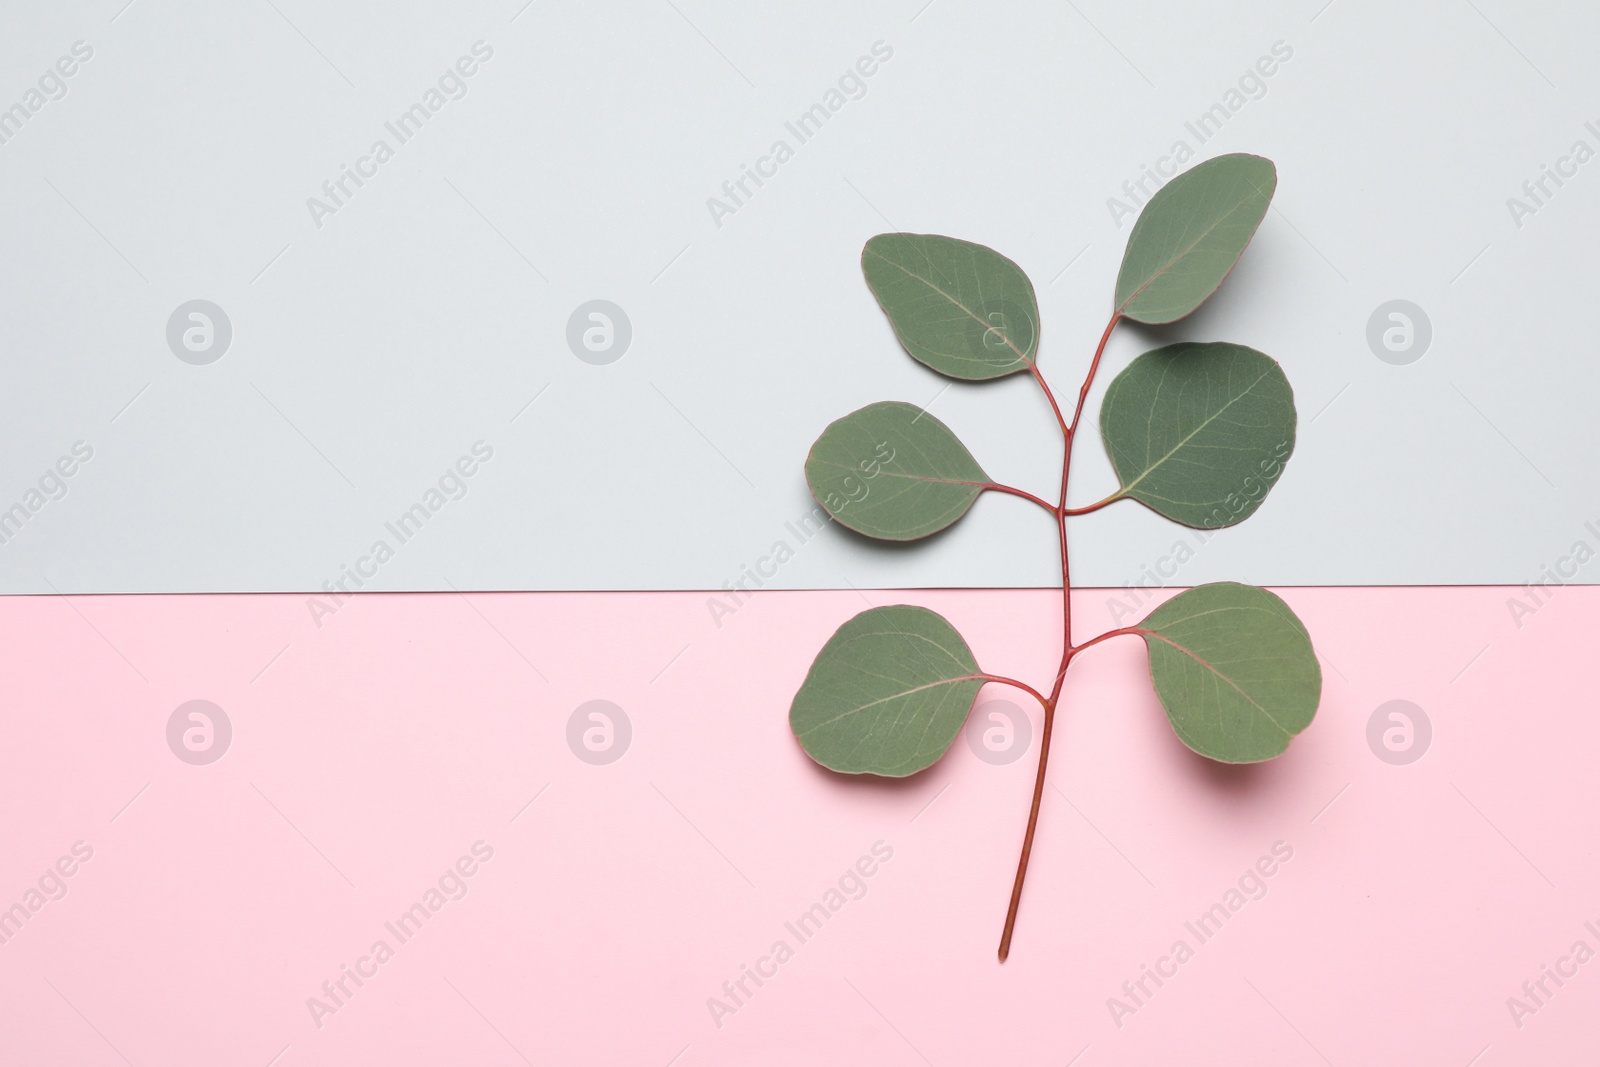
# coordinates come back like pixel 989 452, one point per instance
pixel 1190 234
pixel 1234 669
pixel 1199 432
pixel 887 694
pixel 963 309
pixel 894 472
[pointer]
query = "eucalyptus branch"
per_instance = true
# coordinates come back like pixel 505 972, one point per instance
pixel 1197 433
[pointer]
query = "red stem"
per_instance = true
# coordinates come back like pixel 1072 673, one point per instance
pixel 1048 395
pixel 1051 508
pixel 1024 686
pixel 1124 632
pixel 1083 394
pixel 1096 506
pixel 1068 432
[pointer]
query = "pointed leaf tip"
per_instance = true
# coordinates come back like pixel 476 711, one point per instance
pixel 960 308
pixel 1190 234
pixel 894 472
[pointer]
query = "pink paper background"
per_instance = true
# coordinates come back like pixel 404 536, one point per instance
pixel 372 752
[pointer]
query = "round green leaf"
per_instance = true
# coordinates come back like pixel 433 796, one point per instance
pixel 887 694
pixel 1199 432
pixel 1234 669
pixel 1190 234
pixel 962 309
pixel 894 472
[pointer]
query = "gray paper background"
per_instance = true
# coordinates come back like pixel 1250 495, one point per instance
pixel 430 311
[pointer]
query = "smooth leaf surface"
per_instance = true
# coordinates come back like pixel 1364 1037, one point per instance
pixel 1190 234
pixel 1199 432
pixel 894 472
pixel 1234 669
pixel 962 309
pixel 887 694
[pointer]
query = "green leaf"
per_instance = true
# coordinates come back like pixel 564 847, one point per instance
pixel 1235 670
pixel 1199 432
pixel 962 309
pixel 887 694
pixel 894 472
pixel 1190 234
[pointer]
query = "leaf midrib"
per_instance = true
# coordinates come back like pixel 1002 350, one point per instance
pixel 1207 232
pixel 972 314
pixel 1214 670
pixel 1126 489
pixel 893 696
pixel 886 472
